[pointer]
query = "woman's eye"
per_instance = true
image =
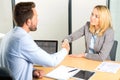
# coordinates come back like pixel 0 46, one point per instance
pixel 96 16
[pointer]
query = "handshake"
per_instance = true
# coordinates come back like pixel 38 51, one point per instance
pixel 65 44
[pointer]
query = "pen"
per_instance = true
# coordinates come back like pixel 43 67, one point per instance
pixel 72 70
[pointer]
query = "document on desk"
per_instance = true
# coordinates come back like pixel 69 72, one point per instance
pixel 62 72
pixel 108 67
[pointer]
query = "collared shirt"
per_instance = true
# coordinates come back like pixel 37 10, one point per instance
pixel 21 52
pixel 92 43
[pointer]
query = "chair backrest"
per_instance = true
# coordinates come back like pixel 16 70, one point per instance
pixel 50 46
pixel 113 51
pixel 4 74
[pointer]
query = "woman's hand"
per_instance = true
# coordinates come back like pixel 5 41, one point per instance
pixel 66 45
pixel 77 55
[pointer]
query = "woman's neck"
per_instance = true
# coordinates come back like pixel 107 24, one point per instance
pixel 97 29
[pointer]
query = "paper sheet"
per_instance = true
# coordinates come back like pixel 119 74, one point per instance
pixel 108 67
pixel 62 73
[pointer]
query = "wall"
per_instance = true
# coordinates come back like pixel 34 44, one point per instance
pixel 52 19
pixel 6 22
pixel 115 12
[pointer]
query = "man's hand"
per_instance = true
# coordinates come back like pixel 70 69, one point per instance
pixel 38 73
pixel 66 45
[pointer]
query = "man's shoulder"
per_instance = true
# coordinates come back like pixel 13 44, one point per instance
pixel 19 33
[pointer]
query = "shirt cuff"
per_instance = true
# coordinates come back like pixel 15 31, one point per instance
pixel 86 54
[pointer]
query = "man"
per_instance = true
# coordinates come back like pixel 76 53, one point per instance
pixel 20 51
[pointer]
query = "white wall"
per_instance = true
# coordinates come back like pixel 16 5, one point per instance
pixel 115 12
pixel 81 11
pixel 5 16
pixel 53 19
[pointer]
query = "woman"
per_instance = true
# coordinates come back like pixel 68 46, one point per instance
pixel 99 35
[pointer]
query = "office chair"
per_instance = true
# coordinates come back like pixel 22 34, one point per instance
pixel 113 50
pixel 4 74
pixel 49 46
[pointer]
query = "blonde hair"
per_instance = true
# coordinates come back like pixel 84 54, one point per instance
pixel 105 20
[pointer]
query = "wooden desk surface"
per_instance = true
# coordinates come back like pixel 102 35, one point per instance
pixel 83 63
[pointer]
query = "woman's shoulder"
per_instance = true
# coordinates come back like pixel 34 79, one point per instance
pixel 87 23
pixel 109 31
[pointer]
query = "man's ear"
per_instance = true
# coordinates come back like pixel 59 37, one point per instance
pixel 28 22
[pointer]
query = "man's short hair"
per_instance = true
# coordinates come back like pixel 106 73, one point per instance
pixel 22 12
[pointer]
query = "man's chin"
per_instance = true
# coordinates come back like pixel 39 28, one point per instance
pixel 35 29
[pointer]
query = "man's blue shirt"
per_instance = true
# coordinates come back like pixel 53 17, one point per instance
pixel 21 52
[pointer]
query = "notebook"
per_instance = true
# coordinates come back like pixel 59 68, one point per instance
pixel 62 72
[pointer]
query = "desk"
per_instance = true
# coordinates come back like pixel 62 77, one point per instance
pixel 83 63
